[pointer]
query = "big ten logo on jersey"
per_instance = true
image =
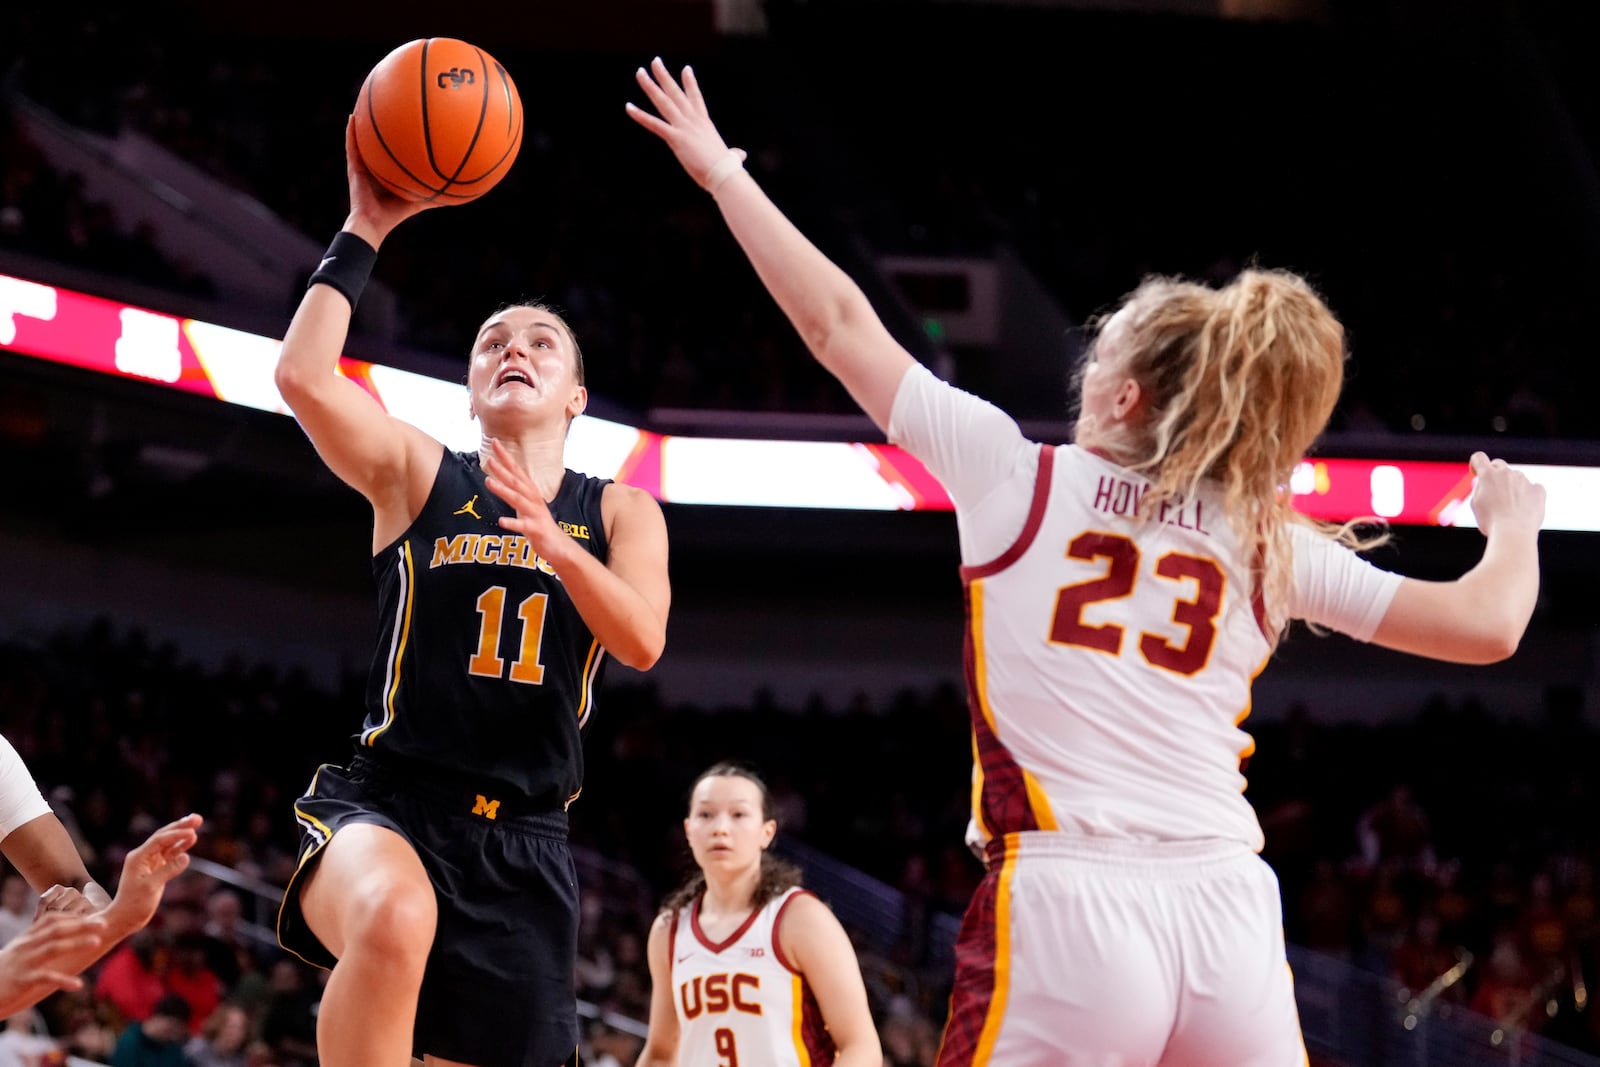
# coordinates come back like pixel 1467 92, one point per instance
pixel 719 993
pixel 505 550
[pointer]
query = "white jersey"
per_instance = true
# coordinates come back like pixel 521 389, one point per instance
pixel 1109 659
pixel 20 799
pixel 739 1001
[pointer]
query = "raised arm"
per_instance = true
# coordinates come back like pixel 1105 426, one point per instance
pixel 829 310
pixel 623 601
pixel 661 1044
pixel 1481 616
pixel 356 438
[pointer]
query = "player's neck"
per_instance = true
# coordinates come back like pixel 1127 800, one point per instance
pixel 541 457
pixel 731 896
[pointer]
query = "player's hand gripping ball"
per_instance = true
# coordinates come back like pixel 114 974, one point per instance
pixel 438 120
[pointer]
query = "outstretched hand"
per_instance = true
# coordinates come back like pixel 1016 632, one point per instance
pixel 374 211
pixel 533 519
pixel 683 122
pixel 147 870
pixel 1504 497
pixel 46 957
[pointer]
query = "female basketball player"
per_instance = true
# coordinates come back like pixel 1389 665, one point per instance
pixel 1122 593
pixel 746 968
pixel 434 878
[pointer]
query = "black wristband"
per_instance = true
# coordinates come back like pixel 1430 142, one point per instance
pixel 346 267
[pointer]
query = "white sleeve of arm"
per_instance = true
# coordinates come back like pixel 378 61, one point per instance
pixel 967 443
pixel 1336 588
pixel 20 799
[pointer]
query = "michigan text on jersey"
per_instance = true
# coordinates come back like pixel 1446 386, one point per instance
pixel 505 550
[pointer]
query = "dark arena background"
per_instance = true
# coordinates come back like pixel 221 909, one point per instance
pixel 185 601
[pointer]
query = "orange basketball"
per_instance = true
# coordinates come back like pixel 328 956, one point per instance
pixel 438 119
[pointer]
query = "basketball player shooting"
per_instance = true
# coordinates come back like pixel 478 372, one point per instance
pixel 435 879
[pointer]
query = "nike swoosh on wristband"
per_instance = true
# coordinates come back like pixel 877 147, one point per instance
pixel 324 264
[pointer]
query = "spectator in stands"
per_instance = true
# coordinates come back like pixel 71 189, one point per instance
pixel 17 904
pixel 130 980
pixel 158 1040
pixel 24 1042
pixel 222 1039
pixel 189 977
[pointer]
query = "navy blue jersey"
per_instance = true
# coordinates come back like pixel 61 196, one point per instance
pixel 483 668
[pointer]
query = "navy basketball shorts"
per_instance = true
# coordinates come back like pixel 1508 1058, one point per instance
pixel 498 989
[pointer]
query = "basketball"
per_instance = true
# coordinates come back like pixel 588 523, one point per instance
pixel 438 119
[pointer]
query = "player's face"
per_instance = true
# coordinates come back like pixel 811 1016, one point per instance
pixel 523 364
pixel 726 828
pixel 1104 398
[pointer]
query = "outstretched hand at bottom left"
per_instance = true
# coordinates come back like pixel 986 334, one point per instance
pixel 50 954
pixel 47 956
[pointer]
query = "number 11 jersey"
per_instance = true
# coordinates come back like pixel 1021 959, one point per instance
pixel 484 669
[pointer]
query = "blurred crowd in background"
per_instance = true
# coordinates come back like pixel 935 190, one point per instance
pixel 1436 181
pixel 1456 835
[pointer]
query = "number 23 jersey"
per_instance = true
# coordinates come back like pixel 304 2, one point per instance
pixel 1109 659
pixel 484 668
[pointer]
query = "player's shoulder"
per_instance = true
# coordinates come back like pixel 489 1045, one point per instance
pixel 618 500
pixel 661 930
pixel 801 909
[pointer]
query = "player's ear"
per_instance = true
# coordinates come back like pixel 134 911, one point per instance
pixel 578 402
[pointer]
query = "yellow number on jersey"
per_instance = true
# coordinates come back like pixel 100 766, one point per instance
pixel 486 662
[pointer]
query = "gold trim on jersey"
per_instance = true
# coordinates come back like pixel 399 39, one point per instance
pixel 797 1020
pixel 1250 702
pixel 402 634
pixel 1038 800
pixel 317 826
pixel 1002 956
pixel 977 790
pixel 591 668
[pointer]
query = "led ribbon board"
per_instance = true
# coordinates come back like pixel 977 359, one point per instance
pixel 62 326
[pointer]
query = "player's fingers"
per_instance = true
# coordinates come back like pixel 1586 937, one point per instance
pixel 658 96
pixel 668 83
pixel 1478 462
pixel 647 120
pixel 691 89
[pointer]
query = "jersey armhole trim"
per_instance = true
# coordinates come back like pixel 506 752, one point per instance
pixel 1030 527
pixel 672 943
pixel 777 922
pixel 1258 593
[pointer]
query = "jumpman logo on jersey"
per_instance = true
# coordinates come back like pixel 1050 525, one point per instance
pixel 469 508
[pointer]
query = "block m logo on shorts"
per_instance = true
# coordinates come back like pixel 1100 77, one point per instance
pixel 489 809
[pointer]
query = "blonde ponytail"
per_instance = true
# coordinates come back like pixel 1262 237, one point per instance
pixel 1238 382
